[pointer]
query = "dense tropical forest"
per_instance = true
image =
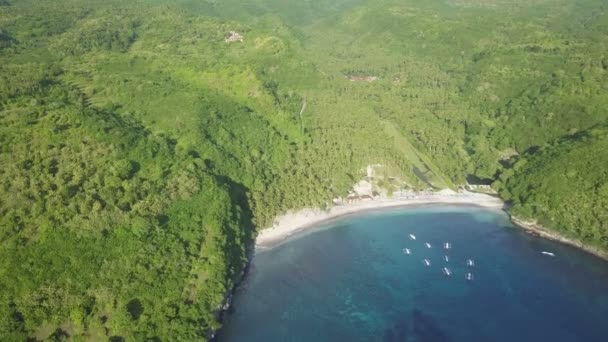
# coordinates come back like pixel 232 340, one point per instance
pixel 143 142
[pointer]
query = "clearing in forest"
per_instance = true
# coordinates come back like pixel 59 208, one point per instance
pixel 423 167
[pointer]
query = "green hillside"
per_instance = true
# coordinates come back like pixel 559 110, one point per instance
pixel 101 218
pixel 564 186
pixel 141 150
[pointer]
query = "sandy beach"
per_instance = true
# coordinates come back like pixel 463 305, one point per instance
pixel 293 222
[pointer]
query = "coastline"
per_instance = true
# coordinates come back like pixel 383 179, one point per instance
pixel 532 227
pixel 294 222
pixel 297 221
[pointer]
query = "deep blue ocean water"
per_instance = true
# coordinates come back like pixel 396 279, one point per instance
pixel 351 281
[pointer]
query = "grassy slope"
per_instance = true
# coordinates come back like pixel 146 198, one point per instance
pixel 418 160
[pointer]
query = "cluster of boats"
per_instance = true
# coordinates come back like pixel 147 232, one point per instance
pixel 446 270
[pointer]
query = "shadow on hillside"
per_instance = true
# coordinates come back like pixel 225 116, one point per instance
pixel 243 215
pixel 238 196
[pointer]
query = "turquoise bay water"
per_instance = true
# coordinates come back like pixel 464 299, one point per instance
pixel 352 282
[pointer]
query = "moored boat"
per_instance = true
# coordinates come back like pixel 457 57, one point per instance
pixel 447 271
pixel 426 262
pixel 412 236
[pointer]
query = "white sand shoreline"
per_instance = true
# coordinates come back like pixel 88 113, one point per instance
pixel 294 222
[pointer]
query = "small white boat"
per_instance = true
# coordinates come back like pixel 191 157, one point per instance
pixel 447 271
pixel 468 276
pixel 470 262
pixel 447 259
pixel 447 245
pixel 412 236
pixel 407 251
pixel 548 253
pixel 426 262
pixel 428 245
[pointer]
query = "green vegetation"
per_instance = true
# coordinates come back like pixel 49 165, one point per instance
pixel 99 214
pixel 564 186
pixel 140 151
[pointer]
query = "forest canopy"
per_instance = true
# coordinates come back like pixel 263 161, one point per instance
pixel 143 143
